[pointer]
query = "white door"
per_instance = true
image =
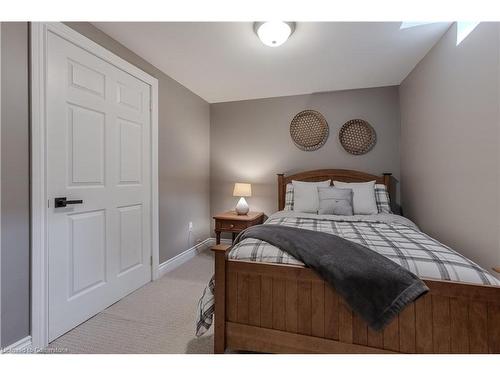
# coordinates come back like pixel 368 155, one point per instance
pixel 98 151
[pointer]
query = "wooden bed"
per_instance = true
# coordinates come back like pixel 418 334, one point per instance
pixel 275 308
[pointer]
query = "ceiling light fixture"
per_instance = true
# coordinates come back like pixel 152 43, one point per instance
pixel 274 33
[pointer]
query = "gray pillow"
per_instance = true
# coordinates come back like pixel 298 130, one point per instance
pixel 335 201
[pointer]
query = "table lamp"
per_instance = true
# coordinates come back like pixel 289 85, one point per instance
pixel 242 190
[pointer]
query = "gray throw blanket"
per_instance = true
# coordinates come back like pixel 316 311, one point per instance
pixel 376 288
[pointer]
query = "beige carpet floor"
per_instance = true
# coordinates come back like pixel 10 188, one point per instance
pixel 157 318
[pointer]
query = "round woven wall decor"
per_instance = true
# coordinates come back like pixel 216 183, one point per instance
pixel 309 130
pixel 357 137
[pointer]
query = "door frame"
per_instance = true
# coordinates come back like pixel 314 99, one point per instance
pixel 0 186
pixel 39 209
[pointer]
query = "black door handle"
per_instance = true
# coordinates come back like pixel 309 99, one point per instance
pixel 62 202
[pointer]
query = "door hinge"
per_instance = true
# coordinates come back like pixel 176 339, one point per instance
pixel 151 259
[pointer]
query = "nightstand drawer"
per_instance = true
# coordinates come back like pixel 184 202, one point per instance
pixel 234 223
pixel 228 225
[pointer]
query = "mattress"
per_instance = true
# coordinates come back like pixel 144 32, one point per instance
pixel 392 236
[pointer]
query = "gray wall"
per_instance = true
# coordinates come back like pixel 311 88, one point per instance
pixel 184 126
pixel 250 141
pixel 15 184
pixel 450 143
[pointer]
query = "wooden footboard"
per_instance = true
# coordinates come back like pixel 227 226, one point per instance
pixel 289 309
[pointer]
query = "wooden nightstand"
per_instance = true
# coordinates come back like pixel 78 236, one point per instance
pixel 232 222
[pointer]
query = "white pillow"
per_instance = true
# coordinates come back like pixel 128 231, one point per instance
pixel 305 195
pixel 364 202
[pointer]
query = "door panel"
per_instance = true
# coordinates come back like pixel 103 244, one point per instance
pixel 130 237
pixel 87 265
pixel 99 151
pixel 85 78
pixel 129 97
pixel 86 145
pixel 130 152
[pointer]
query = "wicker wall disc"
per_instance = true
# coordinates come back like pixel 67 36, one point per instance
pixel 309 130
pixel 357 137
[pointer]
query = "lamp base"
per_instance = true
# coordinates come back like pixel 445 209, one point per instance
pixel 242 207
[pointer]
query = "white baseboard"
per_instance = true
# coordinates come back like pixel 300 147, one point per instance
pixel 183 257
pixel 21 346
pixel 188 254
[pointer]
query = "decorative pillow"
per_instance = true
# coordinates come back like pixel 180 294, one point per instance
pixel 289 197
pixel 382 199
pixel 335 201
pixel 363 196
pixel 305 195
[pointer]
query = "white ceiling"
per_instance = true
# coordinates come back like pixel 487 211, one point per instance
pixel 225 61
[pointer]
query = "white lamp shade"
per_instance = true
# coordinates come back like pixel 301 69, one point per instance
pixel 274 33
pixel 242 190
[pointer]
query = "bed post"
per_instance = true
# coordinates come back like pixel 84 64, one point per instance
pixel 389 184
pixel 220 298
pixel 387 179
pixel 281 191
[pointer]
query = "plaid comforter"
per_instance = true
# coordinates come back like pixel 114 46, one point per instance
pixel 390 235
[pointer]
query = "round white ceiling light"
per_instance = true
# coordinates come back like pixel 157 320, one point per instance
pixel 274 33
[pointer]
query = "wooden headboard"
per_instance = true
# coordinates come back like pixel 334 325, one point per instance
pixel 343 175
